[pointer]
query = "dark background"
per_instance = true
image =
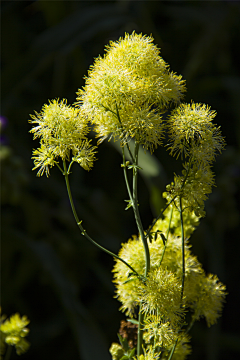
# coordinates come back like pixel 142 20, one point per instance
pixel 49 272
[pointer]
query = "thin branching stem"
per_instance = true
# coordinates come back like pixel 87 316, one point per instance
pixel 83 231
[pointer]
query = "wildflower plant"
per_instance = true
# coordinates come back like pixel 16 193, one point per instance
pixel 158 279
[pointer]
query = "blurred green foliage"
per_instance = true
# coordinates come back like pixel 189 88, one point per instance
pixel 49 272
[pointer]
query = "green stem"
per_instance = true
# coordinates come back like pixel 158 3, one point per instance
pixel 134 201
pixel 60 168
pixel 173 349
pixel 168 230
pixel 145 245
pixel 136 212
pixel 83 231
pixel 125 176
pixel 183 248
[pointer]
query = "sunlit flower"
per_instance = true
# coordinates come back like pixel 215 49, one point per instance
pixel 130 289
pixel 43 158
pixel 193 134
pixel 128 89
pixel 160 333
pixel 182 349
pixel 62 132
pixel 162 293
pixel 206 295
pixel 193 187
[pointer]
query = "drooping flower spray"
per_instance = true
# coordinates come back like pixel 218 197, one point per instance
pixel 158 280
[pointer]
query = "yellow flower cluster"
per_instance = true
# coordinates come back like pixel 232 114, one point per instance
pixel 128 89
pixel 160 293
pixel 195 137
pixel 62 132
pixel 206 295
pixel 192 133
pixel 190 220
pixel 182 350
pixel 14 331
pixel 193 187
pixel 116 351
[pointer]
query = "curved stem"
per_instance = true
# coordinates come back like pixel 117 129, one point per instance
pixel 83 231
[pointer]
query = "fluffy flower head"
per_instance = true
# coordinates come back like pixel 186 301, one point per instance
pixel 62 132
pixel 206 295
pixel 127 90
pixel 163 282
pixel 193 134
pixel 193 186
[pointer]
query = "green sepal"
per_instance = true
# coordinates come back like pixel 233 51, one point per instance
pixel 134 166
pixel 130 204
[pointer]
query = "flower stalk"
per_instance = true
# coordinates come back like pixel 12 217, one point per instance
pixel 79 223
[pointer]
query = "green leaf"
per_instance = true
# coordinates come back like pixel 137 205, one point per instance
pixel 163 238
pixel 132 353
pixel 156 233
pixel 136 322
pixel 123 342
